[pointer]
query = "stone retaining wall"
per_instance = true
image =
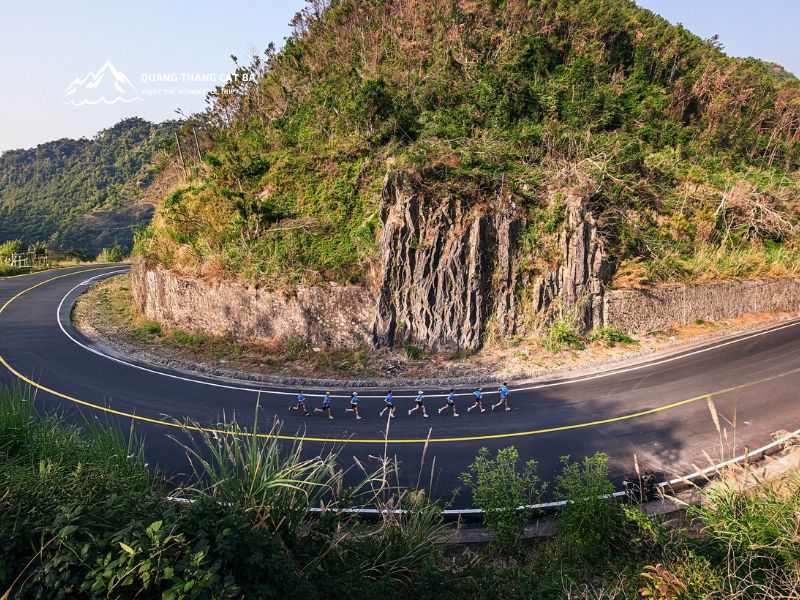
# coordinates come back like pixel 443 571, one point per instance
pixel 658 308
pixel 330 315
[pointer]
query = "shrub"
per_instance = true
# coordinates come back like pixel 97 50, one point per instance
pixel 294 347
pixel 563 335
pixel 759 526
pixel 500 489
pixel 10 247
pixel 414 352
pixel 8 270
pixel 592 519
pixel 110 255
pixel 610 337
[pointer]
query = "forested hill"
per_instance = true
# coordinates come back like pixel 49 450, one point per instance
pixel 83 194
pixel 690 157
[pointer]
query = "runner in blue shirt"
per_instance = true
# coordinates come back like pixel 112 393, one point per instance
pixel 478 401
pixel 389 400
pixel 326 405
pixel 354 405
pixel 301 403
pixel 451 403
pixel 503 389
pixel 420 405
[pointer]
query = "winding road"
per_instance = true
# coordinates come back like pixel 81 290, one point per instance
pixel 657 411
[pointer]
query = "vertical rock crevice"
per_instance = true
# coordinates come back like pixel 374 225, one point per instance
pixel 575 288
pixel 439 257
pixel 449 270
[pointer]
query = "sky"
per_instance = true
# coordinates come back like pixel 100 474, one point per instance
pixel 172 52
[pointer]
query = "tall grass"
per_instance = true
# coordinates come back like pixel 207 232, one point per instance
pixel 260 474
pixel 6 270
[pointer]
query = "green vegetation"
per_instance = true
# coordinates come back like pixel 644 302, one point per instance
pixel 111 255
pixel 414 352
pixel 9 248
pixel 80 194
pixel 689 157
pixel 502 492
pixel 8 271
pixel 83 516
pixel 563 335
pixel 610 337
pixel 589 523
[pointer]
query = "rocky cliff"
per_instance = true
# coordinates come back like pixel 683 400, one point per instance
pixel 575 287
pixel 448 272
pixel 446 267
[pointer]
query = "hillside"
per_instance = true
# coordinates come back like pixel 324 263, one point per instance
pixel 83 194
pixel 525 130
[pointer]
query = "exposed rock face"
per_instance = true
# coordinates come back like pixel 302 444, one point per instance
pixel 576 286
pixel 446 268
pixel 330 315
pixel 448 274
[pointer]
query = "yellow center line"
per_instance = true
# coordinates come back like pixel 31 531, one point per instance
pixel 496 436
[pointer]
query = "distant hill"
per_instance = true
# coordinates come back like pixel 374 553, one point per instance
pixel 84 194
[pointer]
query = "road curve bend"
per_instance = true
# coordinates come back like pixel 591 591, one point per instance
pixel 656 411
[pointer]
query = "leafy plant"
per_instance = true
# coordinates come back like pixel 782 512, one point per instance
pixel 147 329
pixel 591 520
pixel 414 352
pixel 503 491
pixel 563 334
pixel 610 337
pixel 294 347
pixel 10 247
pixel 110 255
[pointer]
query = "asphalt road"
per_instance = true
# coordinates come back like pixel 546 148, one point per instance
pixel 656 411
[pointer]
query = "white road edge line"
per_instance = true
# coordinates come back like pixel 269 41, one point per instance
pixel 476 511
pixel 371 397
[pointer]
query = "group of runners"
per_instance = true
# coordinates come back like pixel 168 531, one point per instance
pixel 391 408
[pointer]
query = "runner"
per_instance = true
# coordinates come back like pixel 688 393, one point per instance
pixel 451 403
pixel 301 403
pixel 354 405
pixel 420 404
pixel 389 400
pixel 503 389
pixel 326 405
pixel 478 401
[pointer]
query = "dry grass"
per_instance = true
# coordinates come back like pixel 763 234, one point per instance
pixel 709 263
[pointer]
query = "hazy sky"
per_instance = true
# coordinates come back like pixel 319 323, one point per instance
pixel 165 47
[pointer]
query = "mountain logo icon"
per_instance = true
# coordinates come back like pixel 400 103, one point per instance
pixel 107 85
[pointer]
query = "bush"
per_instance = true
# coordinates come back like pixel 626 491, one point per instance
pixel 592 519
pixel 501 490
pixel 610 337
pixel 414 352
pixel 564 335
pixel 111 255
pixel 8 270
pixel 10 247
pixel 294 347
pixel 759 526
